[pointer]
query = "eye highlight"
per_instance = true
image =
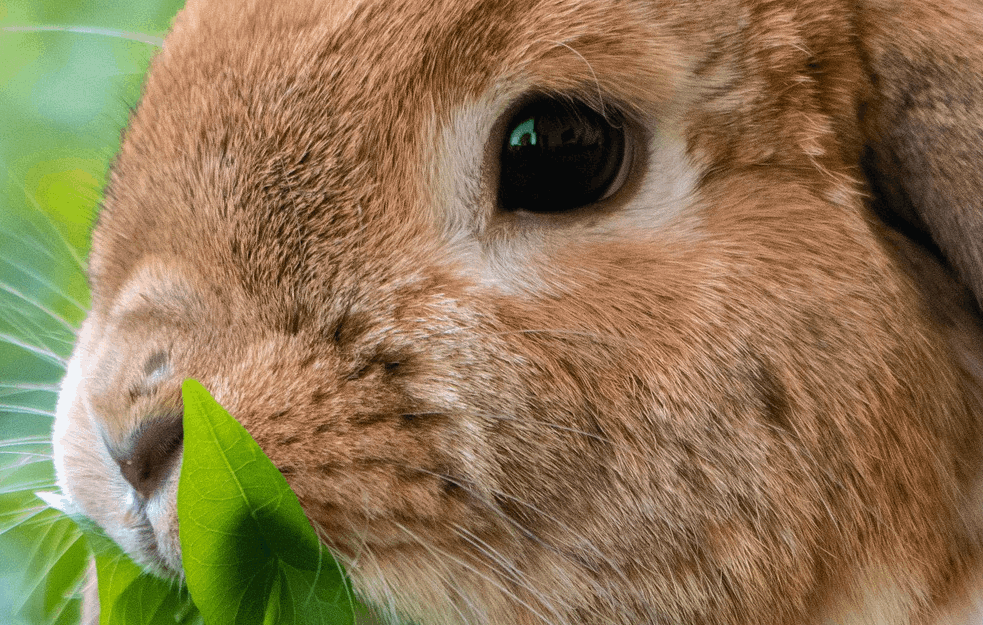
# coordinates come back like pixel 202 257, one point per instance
pixel 559 155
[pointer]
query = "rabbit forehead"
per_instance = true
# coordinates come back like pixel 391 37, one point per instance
pixel 392 53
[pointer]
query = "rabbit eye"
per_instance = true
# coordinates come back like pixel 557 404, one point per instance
pixel 558 156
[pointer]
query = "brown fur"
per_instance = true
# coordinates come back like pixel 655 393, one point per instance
pixel 765 410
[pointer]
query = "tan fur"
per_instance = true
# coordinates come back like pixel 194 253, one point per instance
pixel 728 394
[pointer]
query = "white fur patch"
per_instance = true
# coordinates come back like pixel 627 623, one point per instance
pixel 66 400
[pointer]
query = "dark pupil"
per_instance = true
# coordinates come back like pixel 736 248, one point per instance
pixel 558 156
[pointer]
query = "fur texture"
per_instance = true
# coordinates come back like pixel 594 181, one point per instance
pixel 743 389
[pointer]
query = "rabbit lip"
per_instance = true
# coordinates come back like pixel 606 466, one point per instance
pixel 149 547
pixel 149 554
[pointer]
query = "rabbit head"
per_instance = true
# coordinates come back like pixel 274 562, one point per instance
pixel 559 311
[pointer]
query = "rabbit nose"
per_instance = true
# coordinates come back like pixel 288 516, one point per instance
pixel 151 453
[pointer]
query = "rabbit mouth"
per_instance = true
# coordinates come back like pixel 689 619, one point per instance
pixel 150 553
pixel 154 543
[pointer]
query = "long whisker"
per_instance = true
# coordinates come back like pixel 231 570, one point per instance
pixel 27 387
pixel 14 408
pixel 508 569
pixel 620 448
pixel 150 40
pixel 24 336
pixel 363 560
pixel 28 487
pixel 39 305
pixel 491 507
pixel 79 263
pixel 24 458
pixel 555 426
pixel 608 339
pixel 504 563
pixel 350 562
pixel 442 554
pixel 49 562
pixel 42 278
pixel 525 531
pixel 597 83
pixel 31 440
pixel 46 354
pixel 597 552
pixel 388 596
pixel 438 556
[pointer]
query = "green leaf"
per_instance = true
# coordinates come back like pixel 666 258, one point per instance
pixel 249 553
pixel 128 595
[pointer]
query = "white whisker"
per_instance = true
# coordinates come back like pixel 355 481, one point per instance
pixel 509 569
pixel 79 263
pixel 525 531
pixel 42 279
pixel 597 83
pixel 34 439
pixel 14 408
pixel 25 458
pixel 150 40
pixel 27 487
pixel 28 387
pixel 555 426
pixel 48 355
pixel 592 337
pixel 440 554
pixel 447 582
pixel 37 304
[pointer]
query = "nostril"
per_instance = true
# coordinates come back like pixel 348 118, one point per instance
pixel 151 453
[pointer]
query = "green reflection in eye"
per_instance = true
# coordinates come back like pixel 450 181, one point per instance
pixel 524 134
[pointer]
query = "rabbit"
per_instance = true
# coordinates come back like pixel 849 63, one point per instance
pixel 561 311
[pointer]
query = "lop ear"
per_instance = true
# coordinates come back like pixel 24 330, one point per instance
pixel 924 121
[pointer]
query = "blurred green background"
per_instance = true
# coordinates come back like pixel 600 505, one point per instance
pixel 69 74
